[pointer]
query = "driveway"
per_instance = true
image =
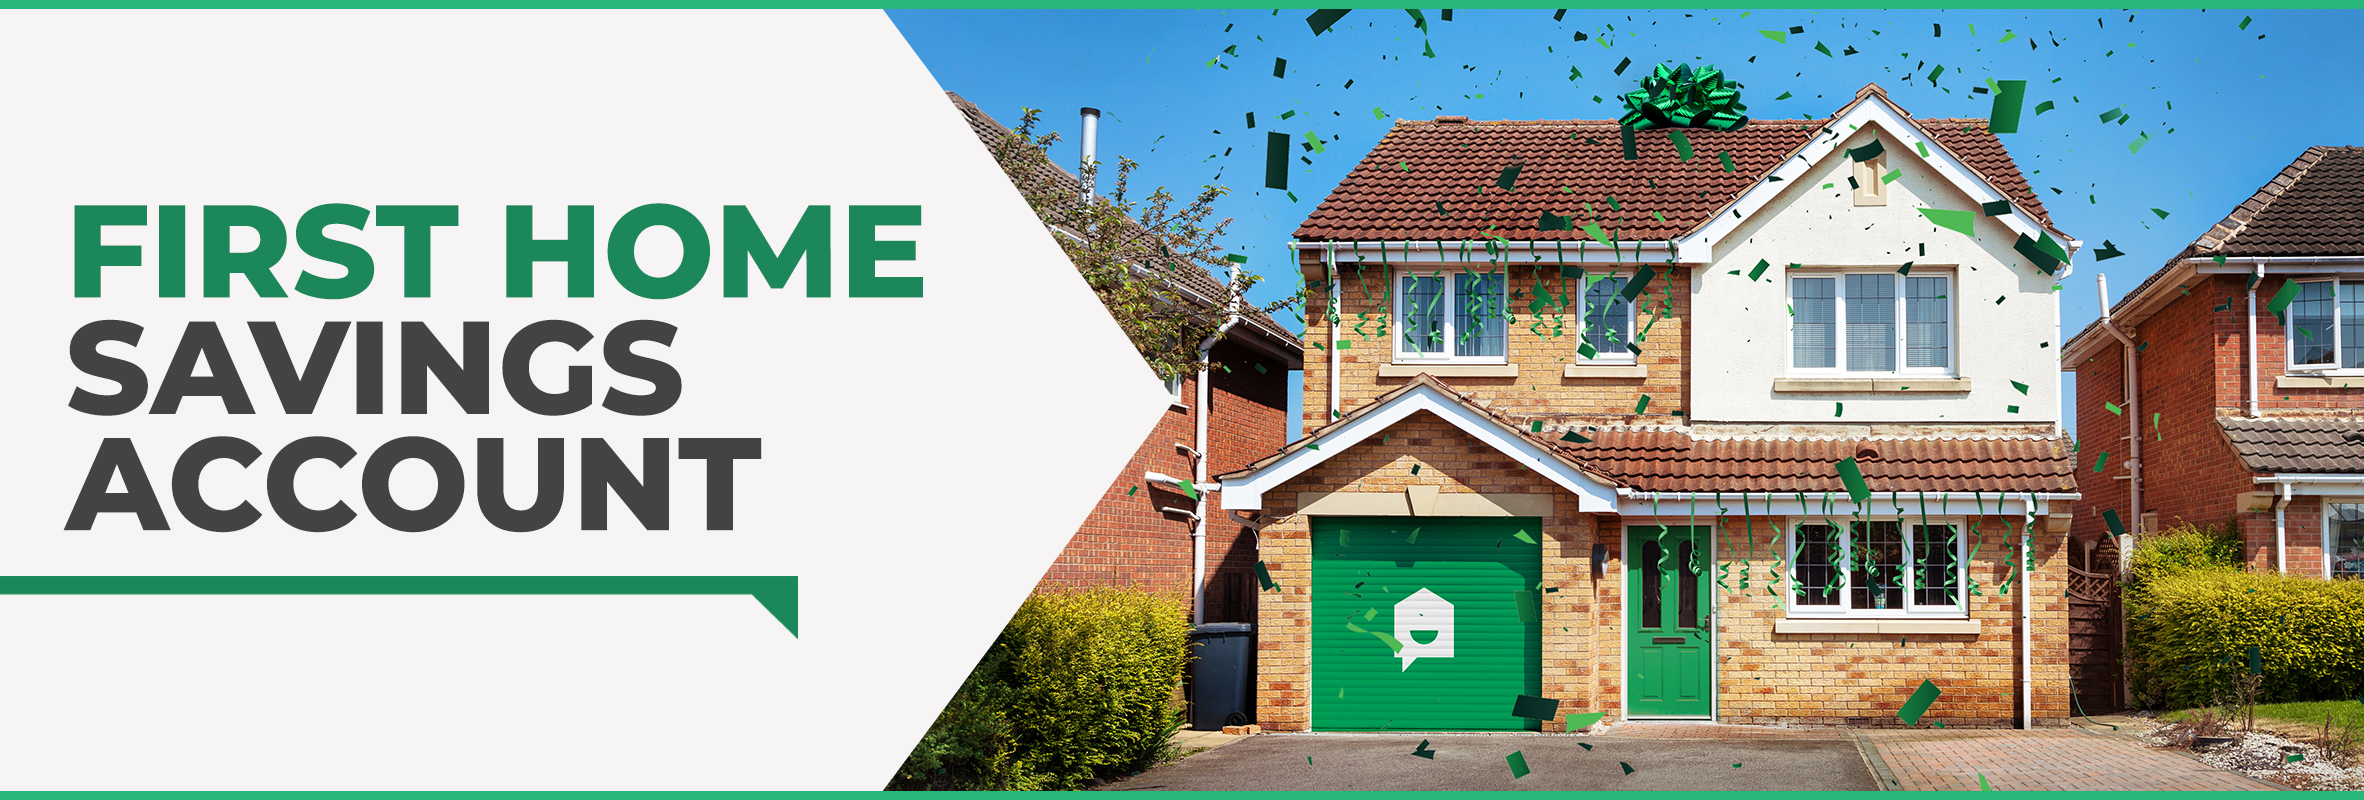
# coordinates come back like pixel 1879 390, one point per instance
pixel 1556 762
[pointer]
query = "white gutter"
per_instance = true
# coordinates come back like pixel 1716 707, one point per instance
pixel 1637 503
pixel 2133 390
pixel 1198 519
pixel 2250 382
pixel 2288 264
pixel 1330 274
pixel 1473 250
pixel 2296 478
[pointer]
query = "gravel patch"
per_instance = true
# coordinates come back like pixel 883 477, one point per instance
pixel 2266 757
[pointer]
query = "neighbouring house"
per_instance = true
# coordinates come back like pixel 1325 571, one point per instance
pixel 2236 412
pixel 1599 462
pixel 1141 532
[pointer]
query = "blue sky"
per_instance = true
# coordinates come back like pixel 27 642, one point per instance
pixel 2225 107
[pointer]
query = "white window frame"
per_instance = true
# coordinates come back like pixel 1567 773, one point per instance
pixel 2328 502
pixel 1445 310
pixel 1912 609
pixel 1953 326
pixel 2290 337
pixel 1584 309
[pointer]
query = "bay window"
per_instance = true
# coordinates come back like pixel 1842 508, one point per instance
pixel 1870 323
pixel 2326 326
pixel 1451 316
pixel 1878 568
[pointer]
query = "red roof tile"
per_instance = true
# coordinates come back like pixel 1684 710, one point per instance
pixel 1393 194
pixel 1665 460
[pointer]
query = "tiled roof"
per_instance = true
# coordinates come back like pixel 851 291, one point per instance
pixel 1195 280
pixel 1393 194
pixel 2302 445
pixel 2313 207
pixel 1671 460
pixel 1660 459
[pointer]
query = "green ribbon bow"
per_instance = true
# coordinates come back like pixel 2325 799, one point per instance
pixel 1677 97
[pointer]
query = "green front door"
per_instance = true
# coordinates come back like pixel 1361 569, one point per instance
pixel 1425 623
pixel 1670 647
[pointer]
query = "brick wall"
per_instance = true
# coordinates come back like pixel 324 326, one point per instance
pixel 1126 541
pixel 1366 325
pixel 1808 679
pixel 2192 366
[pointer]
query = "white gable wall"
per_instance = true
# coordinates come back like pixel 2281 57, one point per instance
pixel 1740 343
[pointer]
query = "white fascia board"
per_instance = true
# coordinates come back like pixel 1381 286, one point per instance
pixel 1593 496
pixel 1671 508
pixel 1872 112
pixel 1426 254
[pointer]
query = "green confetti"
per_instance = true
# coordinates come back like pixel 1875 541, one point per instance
pixel 1577 722
pixel 1276 161
pixel 1982 783
pixel 1682 144
pixel 1265 576
pixel 1518 764
pixel 1524 537
pixel 2281 301
pixel 2101 460
pixel 1321 20
pixel 1423 751
pixel 1818 47
pixel 1841 412
pixel 2108 251
pixel 1762 265
pixel 1867 152
pixel 1784 96
pixel 1586 745
pixel 1852 475
pixel 1538 708
pixel 2109 516
pixel 2020 386
pixel 1641 404
pixel 1919 703
pixel 1628 767
pixel 1280 67
pixel 2244 23
pixel 2009 95
pixel 2161 212
pixel 1509 178
pixel 1778 36
pixel 1957 221
pixel 2113 408
pixel 1726 157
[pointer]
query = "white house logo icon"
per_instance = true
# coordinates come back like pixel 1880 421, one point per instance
pixel 1424 613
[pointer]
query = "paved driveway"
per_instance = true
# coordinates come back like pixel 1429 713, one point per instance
pixel 1557 762
pixel 2042 759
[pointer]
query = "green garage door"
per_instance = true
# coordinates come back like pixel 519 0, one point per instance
pixel 1425 623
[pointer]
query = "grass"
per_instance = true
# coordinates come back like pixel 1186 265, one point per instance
pixel 2309 713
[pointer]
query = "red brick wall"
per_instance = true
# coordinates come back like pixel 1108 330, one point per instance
pixel 1126 541
pixel 2193 372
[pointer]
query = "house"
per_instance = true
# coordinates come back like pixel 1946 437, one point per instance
pixel 1145 532
pixel 1600 462
pixel 2225 408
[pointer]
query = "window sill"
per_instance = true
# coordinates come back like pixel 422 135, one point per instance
pixel 1876 626
pixel 1178 405
pixel 1450 370
pixel 2318 381
pixel 1605 371
pixel 1867 385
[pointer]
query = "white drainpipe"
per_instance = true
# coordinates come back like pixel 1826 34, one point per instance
pixel 2133 390
pixel 1091 152
pixel 2281 538
pixel 1330 273
pixel 2251 379
pixel 2027 620
pixel 1198 526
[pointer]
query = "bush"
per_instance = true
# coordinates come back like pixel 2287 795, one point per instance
pixel 2185 548
pixel 2191 631
pixel 1079 687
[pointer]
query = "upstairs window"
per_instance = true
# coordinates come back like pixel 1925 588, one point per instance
pixel 1608 319
pixel 2326 326
pixel 1876 568
pixel 1871 323
pixel 1451 316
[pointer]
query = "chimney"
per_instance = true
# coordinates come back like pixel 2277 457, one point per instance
pixel 1091 151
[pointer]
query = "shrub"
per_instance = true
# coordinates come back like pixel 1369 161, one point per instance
pixel 2185 548
pixel 1079 687
pixel 2191 632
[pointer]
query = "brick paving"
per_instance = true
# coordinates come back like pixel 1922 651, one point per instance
pixel 2053 760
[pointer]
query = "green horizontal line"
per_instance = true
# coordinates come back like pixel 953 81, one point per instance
pixel 777 594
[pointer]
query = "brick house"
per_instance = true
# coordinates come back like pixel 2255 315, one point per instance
pixel 1141 532
pixel 2236 414
pixel 1521 479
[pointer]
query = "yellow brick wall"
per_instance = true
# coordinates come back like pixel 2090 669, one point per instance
pixel 1366 325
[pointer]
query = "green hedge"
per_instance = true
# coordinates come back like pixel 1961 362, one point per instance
pixel 2189 634
pixel 1079 687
